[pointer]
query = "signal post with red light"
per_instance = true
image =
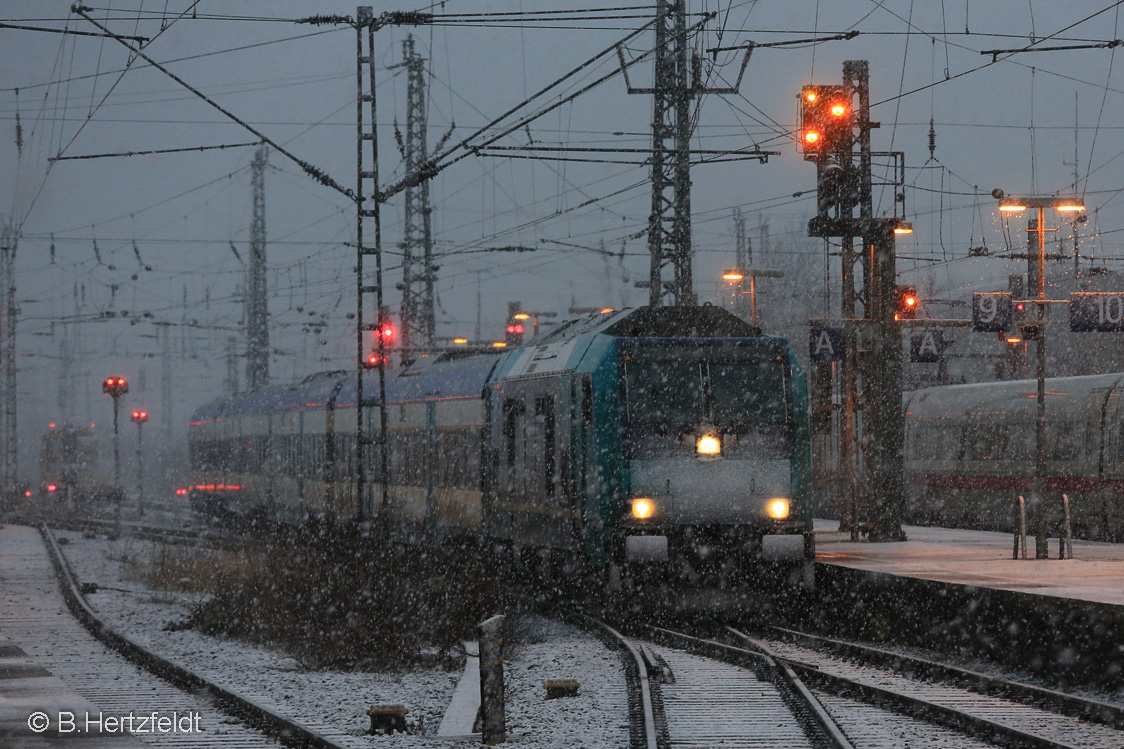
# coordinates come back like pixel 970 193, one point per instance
pixel 385 336
pixel 905 303
pixel 139 417
pixel 115 387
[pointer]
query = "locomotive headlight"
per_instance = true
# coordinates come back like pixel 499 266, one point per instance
pixel 708 446
pixel 777 508
pixel 643 508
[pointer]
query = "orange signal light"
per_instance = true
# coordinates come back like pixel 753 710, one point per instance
pixel 838 110
pixel 811 137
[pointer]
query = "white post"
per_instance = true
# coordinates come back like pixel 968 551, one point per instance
pixel 1022 526
pixel 1066 542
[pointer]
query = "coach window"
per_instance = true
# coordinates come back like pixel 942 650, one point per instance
pixel 512 409
pixel 544 412
pixel 1063 441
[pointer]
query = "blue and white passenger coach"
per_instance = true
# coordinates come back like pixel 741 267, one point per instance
pixel 668 443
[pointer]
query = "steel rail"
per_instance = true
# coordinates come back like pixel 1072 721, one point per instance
pixel 1091 710
pixel 915 707
pixel 642 722
pixel 243 708
pixel 822 725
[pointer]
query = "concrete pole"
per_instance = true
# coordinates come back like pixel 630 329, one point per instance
pixel 140 470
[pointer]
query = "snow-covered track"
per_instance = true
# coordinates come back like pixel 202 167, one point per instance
pixel 720 695
pixel 1095 711
pixel 79 649
pixel 102 526
pixel 991 718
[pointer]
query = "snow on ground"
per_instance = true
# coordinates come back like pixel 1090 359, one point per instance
pixel 597 718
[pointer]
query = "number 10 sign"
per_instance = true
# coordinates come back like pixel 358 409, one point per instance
pixel 1096 311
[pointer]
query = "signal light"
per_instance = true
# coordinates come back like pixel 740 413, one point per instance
pixel 905 303
pixel 826 120
pixel 139 417
pixel 373 361
pixel 386 332
pixel 51 487
pixel 514 334
pixel 115 386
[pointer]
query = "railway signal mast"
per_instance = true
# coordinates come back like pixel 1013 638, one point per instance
pixel 835 135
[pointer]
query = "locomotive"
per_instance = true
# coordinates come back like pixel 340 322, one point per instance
pixel 653 441
pixel 970 452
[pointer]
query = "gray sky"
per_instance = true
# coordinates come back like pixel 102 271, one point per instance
pixel 297 84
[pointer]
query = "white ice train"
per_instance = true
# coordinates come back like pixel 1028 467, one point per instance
pixel 970 452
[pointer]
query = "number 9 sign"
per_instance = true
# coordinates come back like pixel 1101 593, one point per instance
pixel 991 312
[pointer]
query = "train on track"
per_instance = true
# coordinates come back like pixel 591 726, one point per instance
pixel 70 469
pixel 970 451
pixel 656 441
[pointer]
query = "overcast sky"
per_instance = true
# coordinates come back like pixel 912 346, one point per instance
pixel 1006 124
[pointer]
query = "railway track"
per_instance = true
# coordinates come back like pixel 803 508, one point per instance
pixel 1008 712
pixel 740 691
pixel 120 677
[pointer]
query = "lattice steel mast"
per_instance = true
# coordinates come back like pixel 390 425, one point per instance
pixel 669 224
pixel 11 446
pixel 418 271
pixel 257 317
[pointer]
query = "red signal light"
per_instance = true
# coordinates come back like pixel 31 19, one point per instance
pixel 373 361
pixel 387 332
pixel 51 487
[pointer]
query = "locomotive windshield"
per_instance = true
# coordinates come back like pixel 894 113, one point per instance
pixel 688 386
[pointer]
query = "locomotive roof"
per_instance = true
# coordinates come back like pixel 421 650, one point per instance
pixel 989 398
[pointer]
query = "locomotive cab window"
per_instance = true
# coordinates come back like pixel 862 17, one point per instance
pixel 724 387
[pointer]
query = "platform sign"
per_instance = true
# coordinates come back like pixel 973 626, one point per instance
pixel 1096 311
pixel 991 312
pixel 926 347
pixel 825 344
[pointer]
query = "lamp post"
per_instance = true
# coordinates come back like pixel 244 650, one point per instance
pixel 737 276
pixel 1036 331
pixel 115 387
pixel 139 417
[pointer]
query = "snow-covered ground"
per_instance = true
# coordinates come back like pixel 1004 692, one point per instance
pixel 597 718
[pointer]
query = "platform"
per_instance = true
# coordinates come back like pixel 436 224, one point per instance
pixel 982 559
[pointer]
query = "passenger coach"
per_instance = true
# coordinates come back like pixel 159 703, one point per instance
pixel 970 452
